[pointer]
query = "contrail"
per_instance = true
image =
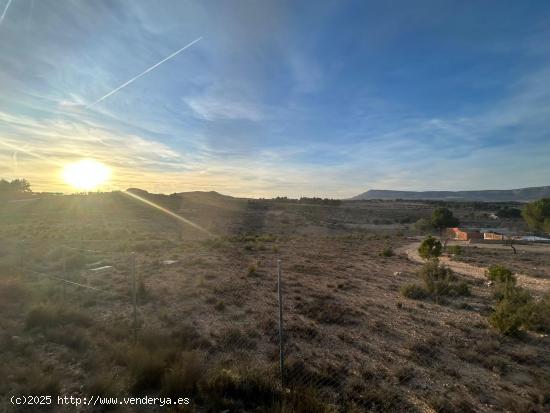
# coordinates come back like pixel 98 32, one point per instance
pixel 5 10
pixel 142 73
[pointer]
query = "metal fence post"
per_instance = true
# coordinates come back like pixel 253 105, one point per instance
pixel 134 291
pixel 64 274
pixel 281 353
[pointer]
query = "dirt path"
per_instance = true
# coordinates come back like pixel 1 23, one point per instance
pixel 537 286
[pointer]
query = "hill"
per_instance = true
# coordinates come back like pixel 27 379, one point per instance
pixel 522 194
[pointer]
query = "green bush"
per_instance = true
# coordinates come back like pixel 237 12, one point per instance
pixel 516 309
pixel 436 277
pixel 387 252
pixel 423 225
pixel 500 274
pixel 461 288
pixel 430 248
pixel 512 312
pixel 437 281
pixel 455 249
pixel 413 291
pixel 441 281
pixel 538 315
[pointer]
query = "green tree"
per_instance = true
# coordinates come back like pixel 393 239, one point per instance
pixel 423 225
pixel 15 186
pixel 443 218
pixel 20 185
pixel 508 212
pixel 430 248
pixel 537 215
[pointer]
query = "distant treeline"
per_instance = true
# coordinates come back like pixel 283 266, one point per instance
pixel 15 186
pixel 303 200
pixel 477 205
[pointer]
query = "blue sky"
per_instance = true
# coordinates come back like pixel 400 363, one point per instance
pixel 325 98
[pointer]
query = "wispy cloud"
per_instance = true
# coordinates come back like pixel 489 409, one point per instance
pixel 322 99
pixel 214 108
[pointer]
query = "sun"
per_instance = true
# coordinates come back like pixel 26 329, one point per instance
pixel 86 174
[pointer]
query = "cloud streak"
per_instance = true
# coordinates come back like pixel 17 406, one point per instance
pixel 325 100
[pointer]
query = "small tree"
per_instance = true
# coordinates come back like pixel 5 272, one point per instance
pixel 443 218
pixel 430 249
pixel 537 215
pixel 423 225
pixel 508 212
pixel 15 186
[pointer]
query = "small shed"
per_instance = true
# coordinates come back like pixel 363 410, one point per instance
pixel 493 236
pixel 464 234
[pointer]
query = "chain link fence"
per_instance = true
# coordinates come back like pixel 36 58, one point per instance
pixel 307 331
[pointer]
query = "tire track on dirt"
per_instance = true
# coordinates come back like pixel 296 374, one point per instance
pixel 535 285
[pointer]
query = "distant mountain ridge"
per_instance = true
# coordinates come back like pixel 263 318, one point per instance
pixel 519 195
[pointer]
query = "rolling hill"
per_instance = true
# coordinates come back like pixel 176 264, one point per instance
pixel 520 195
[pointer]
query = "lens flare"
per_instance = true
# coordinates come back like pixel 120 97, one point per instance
pixel 86 175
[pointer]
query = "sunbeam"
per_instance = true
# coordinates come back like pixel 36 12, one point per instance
pixel 168 212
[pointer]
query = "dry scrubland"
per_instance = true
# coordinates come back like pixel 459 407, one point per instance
pixel 208 323
pixel 531 261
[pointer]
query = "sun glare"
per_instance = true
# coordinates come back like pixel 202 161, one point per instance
pixel 86 175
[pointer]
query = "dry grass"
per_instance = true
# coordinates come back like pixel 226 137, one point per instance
pixel 205 318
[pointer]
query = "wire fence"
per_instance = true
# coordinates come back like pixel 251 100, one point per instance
pixel 331 368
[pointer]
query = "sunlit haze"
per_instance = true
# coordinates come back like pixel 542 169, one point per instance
pixel 270 98
pixel 86 175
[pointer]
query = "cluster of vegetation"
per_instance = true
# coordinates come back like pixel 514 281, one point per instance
pixel 455 250
pixel 168 364
pixel 537 215
pixel 423 225
pixel 430 248
pixel 437 281
pixel 440 219
pixel 387 251
pixel 443 218
pixel 15 186
pixel 508 212
pixel 255 242
pixel 516 309
pixel 306 200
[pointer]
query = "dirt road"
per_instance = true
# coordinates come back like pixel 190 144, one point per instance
pixel 537 286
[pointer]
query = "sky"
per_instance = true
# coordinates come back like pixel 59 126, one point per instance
pixel 309 98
